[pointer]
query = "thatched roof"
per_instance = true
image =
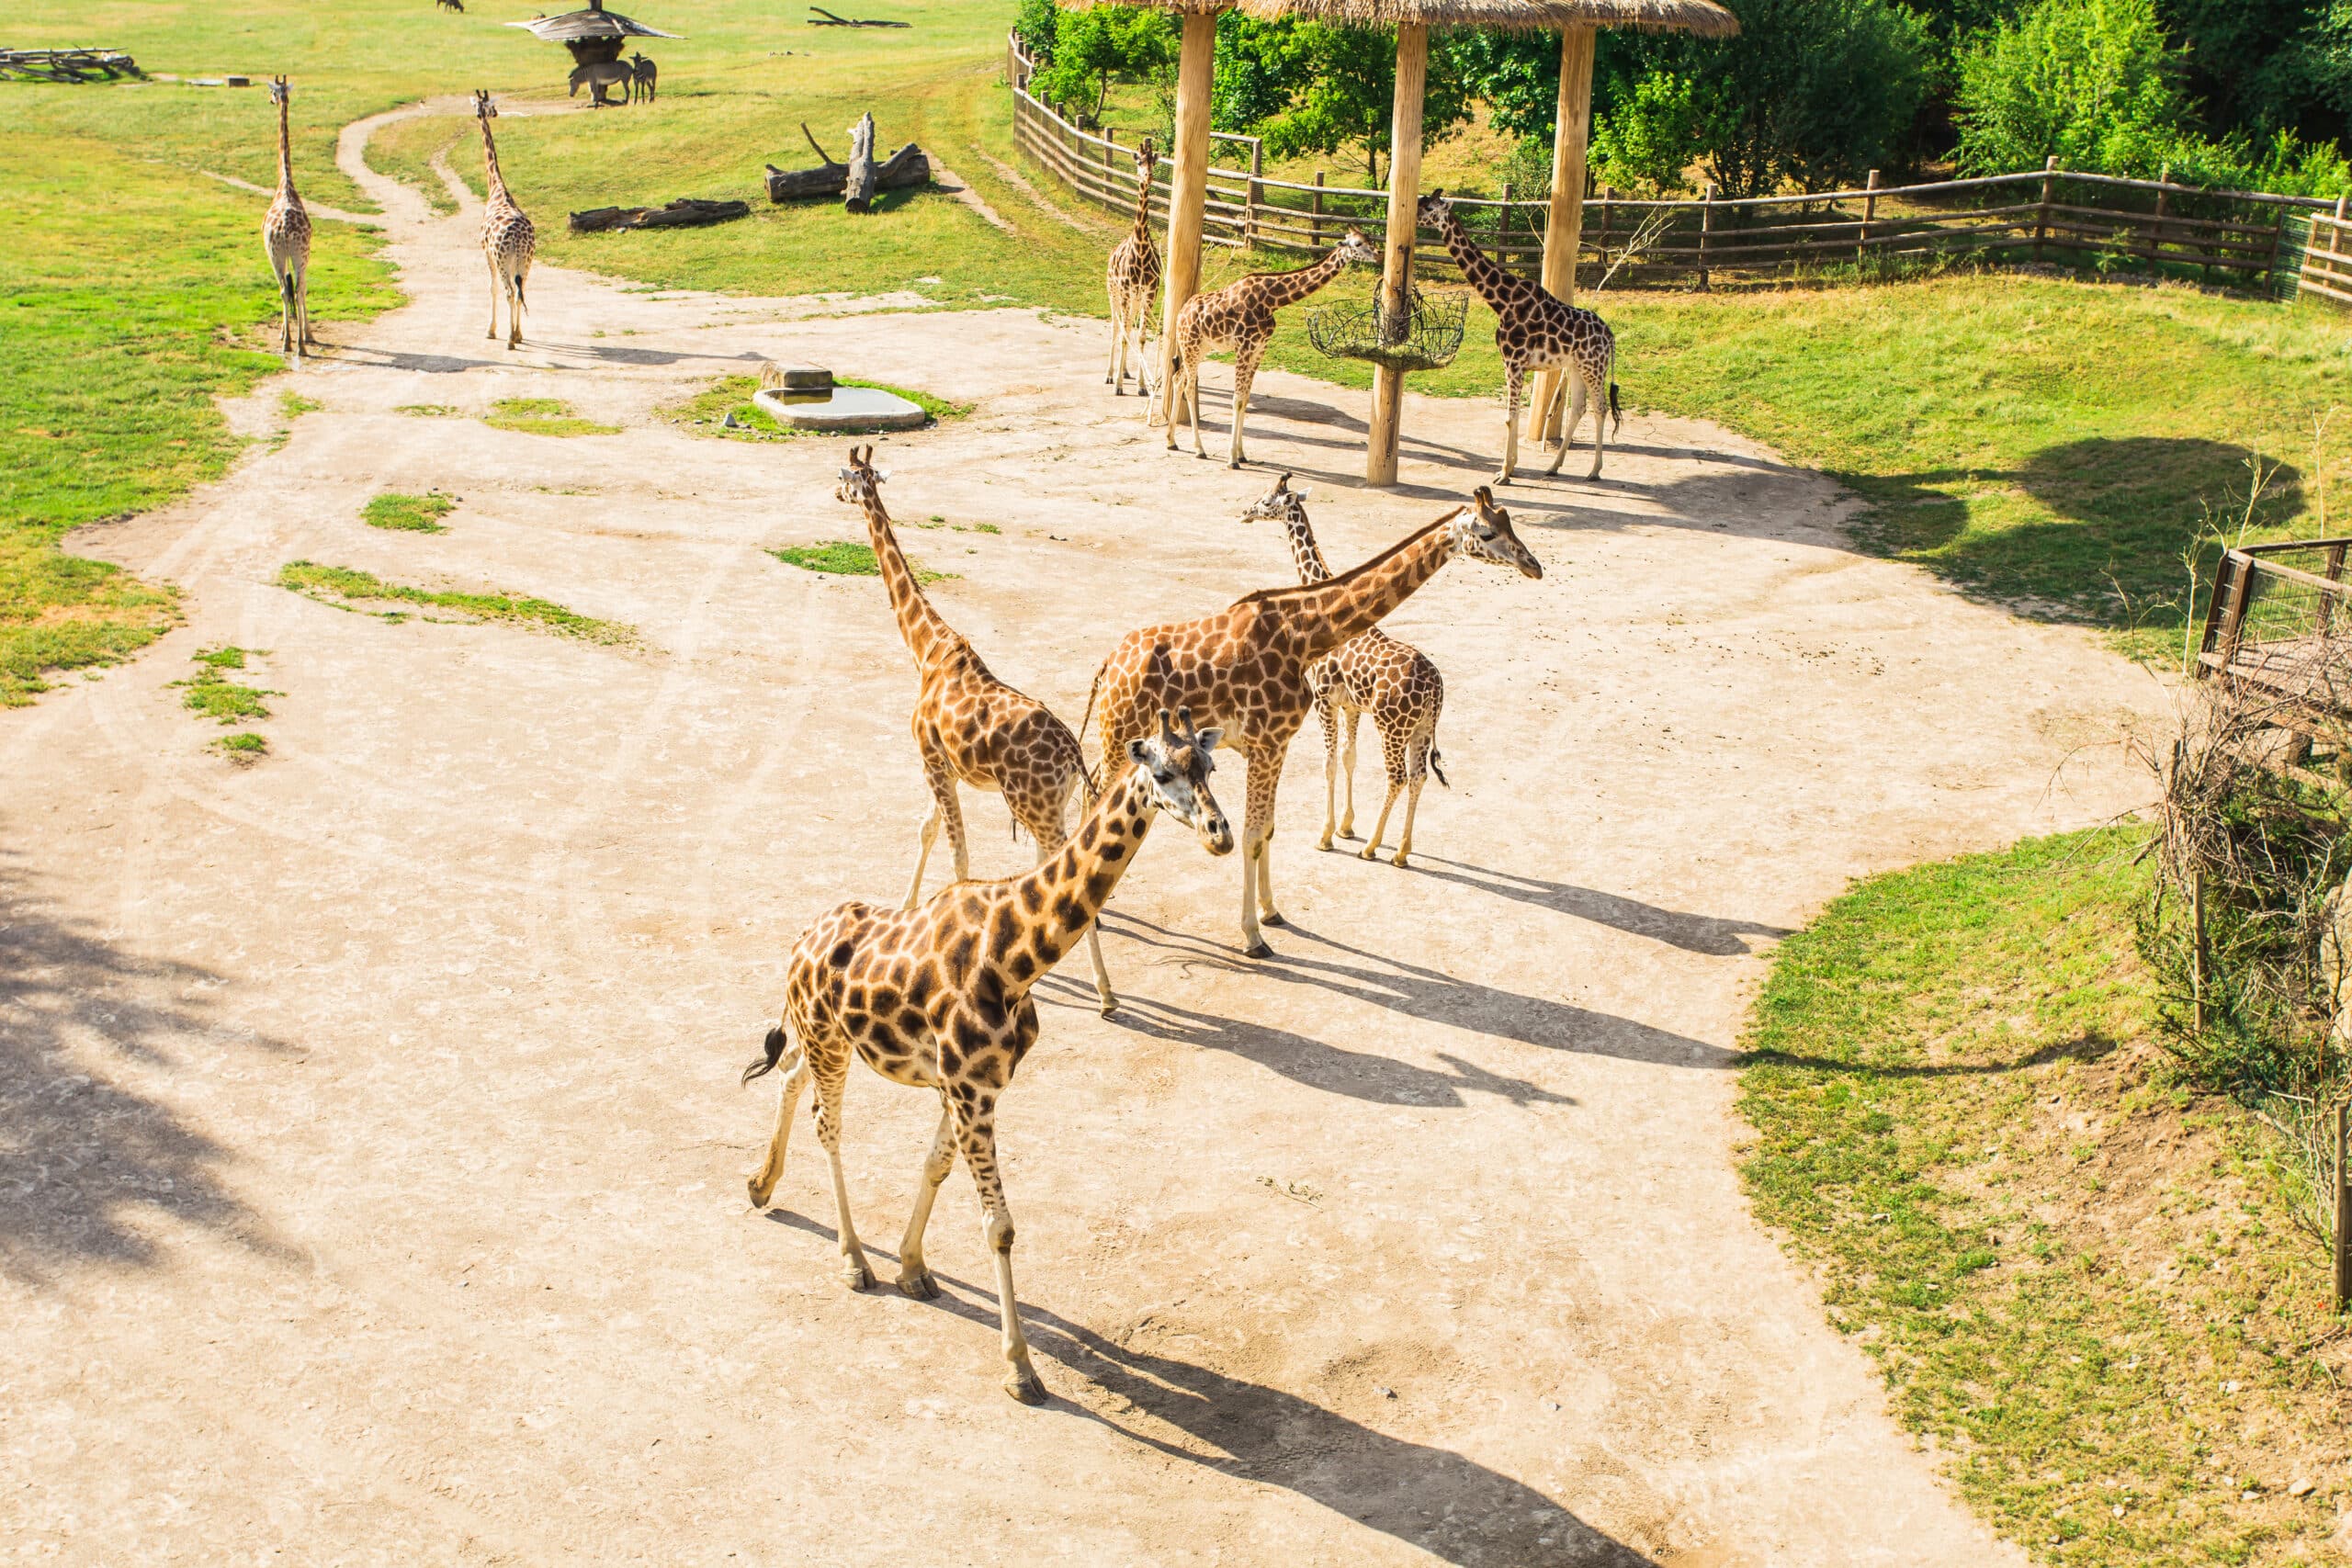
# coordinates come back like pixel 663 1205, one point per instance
pixel 594 22
pixel 1703 17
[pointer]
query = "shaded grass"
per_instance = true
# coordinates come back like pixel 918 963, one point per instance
pixel 543 416
pixel 121 321
pixel 2082 1285
pixel 352 586
pixel 409 513
pixel 847 558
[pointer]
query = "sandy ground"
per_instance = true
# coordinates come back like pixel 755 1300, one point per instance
pixel 374 1153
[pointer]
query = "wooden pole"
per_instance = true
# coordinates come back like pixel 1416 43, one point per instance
pixel 1257 194
pixel 2342 1219
pixel 1563 226
pixel 1706 228
pixel 1315 225
pixel 1870 212
pixel 1396 265
pixel 2041 222
pixel 1188 187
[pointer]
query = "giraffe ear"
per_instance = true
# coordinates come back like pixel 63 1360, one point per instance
pixel 1302 492
pixel 1138 755
pixel 1207 738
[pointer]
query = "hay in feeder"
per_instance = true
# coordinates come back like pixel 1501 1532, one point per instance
pixel 1424 336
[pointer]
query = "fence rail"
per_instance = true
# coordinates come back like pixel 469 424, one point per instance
pixel 2249 239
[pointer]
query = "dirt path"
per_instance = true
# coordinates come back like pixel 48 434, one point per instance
pixel 374 1153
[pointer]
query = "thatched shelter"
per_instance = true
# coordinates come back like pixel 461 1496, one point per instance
pixel 1575 21
pixel 594 36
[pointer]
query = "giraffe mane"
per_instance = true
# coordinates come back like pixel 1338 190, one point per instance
pixel 1345 579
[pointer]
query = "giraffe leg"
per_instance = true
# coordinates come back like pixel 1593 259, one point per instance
pixel 1193 404
pixel 1257 827
pixel 1417 771
pixel 976 1133
pixel 763 1182
pixel 1113 374
pixel 942 801
pixel 303 300
pixel 1330 719
pixel 1266 910
pixel 914 1279
pixel 1600 393
pixel 1575 396
pixel 497 288
pixel 514 313
pixel 1348 771
pixel 1514 383
pixel 1245 371
pixel 1392 762
pixel 832 1078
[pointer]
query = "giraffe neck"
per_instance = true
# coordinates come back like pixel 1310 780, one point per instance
pixel 1143 209
pixel 1492 282
pixel 1328 613
pixel 1061 898
pixel 1289 288
pixel 496 181
pixel 1303 551
pixel 927 635
pixel 285 152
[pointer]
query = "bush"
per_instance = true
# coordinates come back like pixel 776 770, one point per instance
pixel 1312 87
pixel 1035 23
pixel 2088 82
pixel 1812 93
pixel 1109 43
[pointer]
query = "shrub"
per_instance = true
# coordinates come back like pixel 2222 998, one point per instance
pixel 1095 47
pixel 1315 87
pixel 2088 82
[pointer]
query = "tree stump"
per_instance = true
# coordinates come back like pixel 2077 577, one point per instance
pixel 907 166
pixel 857 190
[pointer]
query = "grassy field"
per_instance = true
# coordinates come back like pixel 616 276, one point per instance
pixel 2083 1283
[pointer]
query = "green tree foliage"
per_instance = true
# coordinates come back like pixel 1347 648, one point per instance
pixel 1312 87
pixel 1035 23
pixel 1095 48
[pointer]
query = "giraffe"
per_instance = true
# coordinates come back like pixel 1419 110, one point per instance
pixel 286 236
pixel 1245 667
pixel 1241 316
pixel 938 998
pixel 1131 279
pixel 969 727
pixel 507 234
pixel 1536 331
pixel 1371 672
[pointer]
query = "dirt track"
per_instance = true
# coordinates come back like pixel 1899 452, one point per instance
pixel 374 1153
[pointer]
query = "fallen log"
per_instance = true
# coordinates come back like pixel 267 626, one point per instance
pixel 686 212
pixel 824 18
pixel 857 185
pixel 907 166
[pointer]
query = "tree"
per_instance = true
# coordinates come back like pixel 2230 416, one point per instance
pixel 1094 48
pixel 1315 87
pixel 2088 82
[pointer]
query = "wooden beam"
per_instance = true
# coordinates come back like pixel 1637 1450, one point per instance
pixel 1188 187
pixel 1564 230
pixel 1397 264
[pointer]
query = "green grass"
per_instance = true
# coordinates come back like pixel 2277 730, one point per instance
pixel 210 693
pixel 847 558
pixel 293 405
pixel 2060 1260
pixel 352 586
pixel 706 412
pixel 122 321
pixel 543 416
pixel 245 746
pixel 409 513
pixel 428 410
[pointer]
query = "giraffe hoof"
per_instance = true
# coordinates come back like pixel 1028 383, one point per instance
pixel 1370 852
pixel 759 1193
pixel 1258 951
pixel 1399 860
pixel 918 1285
pixel 857 1276
pixel 1324 842
pixel 1271 918
pixel 1025 1386
pixel 1111 1008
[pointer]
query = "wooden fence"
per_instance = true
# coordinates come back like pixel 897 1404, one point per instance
pixel 2249 239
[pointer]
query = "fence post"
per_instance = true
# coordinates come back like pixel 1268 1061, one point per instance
pixel 1607 196
pixel 1870 211
pixel 1706 227
pixel 2342 1219
pixel 1502 230
pixel 1257 192
pixel 2041 220
pixel 2157 238
pixel 1315 225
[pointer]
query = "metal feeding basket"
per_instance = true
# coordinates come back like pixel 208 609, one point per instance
pixel 1423 336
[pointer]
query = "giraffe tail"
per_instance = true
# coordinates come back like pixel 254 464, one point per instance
pixel 777 1044
pixel 1092 687
pixel 1434 759
pixel 1616 414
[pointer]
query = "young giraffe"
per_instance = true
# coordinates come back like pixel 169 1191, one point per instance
pixel 1241 316
pixel 1536 331
pixel 1245 668
pixel 938 998
pixel 507 234
pixel 1372 673
pixel 286 235
pixel 1131 279
pixel 971 727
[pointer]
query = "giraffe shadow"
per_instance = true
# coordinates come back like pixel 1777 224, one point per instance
pixel 1715 936
pixel 1431 1498
pixel 1438 997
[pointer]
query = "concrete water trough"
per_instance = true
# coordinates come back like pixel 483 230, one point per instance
pixel 805 397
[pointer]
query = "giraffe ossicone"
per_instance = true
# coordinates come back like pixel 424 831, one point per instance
pixel 1534 331
pixel 937 998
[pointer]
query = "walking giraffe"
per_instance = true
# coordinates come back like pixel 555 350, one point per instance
pixel 507 234
pixel 286 236
pixel 971 727
pixel 1131 279
pixel 1372 673
pixel 938 998
pixel 1536 330
pixel 1245 668
pixel 1241 316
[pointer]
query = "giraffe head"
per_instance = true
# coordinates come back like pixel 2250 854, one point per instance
pixel 1354 249
pixel 1279 504
pixel 1147 160
pixel 483 108
pixel 860 481
pixel 1482 531
pixel 1175 766
pixel 1433 211
pixel 277 90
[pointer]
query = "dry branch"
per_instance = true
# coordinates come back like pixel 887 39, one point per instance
pixel 857 192
pixel 907 166
pixel 824 18
pixel 686 212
